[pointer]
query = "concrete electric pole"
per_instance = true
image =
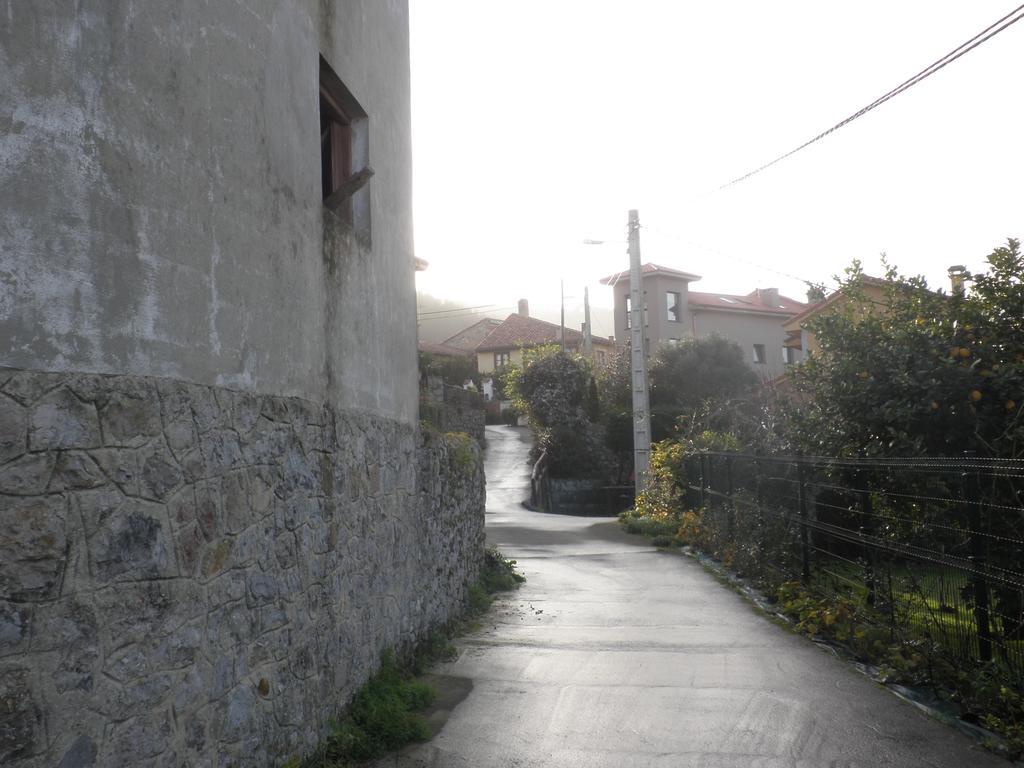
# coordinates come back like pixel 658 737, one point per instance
pixel 587 343
pixel 638 360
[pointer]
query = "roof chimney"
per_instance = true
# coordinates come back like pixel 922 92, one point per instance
pixel 958 275
pixel 524 308
pixel 768 296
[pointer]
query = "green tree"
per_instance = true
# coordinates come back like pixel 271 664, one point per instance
pixel 695 385
pixel 453 370
pixel 552 389
pixel 921 372
pixel 615 398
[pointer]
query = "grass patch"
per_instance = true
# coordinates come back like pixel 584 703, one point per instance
pixel 384 714
pixel 660 526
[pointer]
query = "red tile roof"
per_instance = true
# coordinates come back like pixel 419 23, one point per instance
pixel 647 270
pixel 752 302
pixel 518 331
pixel 468 338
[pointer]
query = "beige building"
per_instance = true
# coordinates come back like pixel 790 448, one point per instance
pixel 673 312
pixel 801 341
pixel 506 342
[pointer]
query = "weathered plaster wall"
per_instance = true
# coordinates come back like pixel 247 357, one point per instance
pixel 658 327
pixel 748 330
pixel 160 207
pixel 193 575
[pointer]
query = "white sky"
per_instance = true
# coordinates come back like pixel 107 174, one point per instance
pixel 539 123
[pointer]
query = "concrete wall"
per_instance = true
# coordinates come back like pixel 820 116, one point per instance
pixel 196 576
pixel 747 330
pixel 160 201
pixel 658 327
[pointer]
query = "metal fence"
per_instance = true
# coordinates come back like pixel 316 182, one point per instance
pixel 930 549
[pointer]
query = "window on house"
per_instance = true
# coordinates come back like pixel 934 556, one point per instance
pixel 601 357
pixel 629 312
pixel 344 152
pixel 759 354
pixel 501 358
pixel 674 304
pixel 788 355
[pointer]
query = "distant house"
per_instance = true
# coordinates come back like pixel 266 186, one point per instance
pixel 673 312
pixel 469 338
pixel 800 341
pixel 505 343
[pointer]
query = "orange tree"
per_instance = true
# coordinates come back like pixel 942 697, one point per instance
pixel 923 373
pixel 919 372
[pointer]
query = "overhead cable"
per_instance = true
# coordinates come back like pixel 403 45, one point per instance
pixel 989 32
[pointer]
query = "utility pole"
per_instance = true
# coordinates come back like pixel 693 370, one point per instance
pixel 587 345
pixel 561 287
pixel 638 359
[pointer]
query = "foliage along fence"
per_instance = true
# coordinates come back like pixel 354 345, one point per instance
pixel 932 550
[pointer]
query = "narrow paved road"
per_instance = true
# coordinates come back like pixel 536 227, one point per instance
pixel 615 655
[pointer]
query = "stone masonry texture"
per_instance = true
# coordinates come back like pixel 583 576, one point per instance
pixel 451 408
pixel 196 576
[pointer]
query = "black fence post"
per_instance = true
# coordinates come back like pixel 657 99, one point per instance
pixel 866 533
pixel 805 545
pixel 758 479
pixel 710 477
pixel 730 507
pixel 972 506
pixel 701 458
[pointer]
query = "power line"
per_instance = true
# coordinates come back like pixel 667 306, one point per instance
pixel 733 257
pixel 989 32
pixel 456 316
pixel 455 309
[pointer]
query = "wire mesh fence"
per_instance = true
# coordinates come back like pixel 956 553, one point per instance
pixel 930 549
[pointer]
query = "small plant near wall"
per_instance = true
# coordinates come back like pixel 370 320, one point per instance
pixel 462 452
pixel 385 714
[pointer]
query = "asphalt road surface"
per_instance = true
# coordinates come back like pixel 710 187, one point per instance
pixel 615 655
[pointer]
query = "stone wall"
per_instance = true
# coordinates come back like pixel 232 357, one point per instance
pixel 579 496
pixel 191 575
pixel 451 408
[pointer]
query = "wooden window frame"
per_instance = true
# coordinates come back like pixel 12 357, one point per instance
pixel 344 161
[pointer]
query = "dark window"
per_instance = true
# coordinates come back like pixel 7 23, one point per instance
pixel 628 305
pixel 344 151
pixel 500 359
pixel 759 354
pixel 788 355
pixel 674 304
pixel 335 145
